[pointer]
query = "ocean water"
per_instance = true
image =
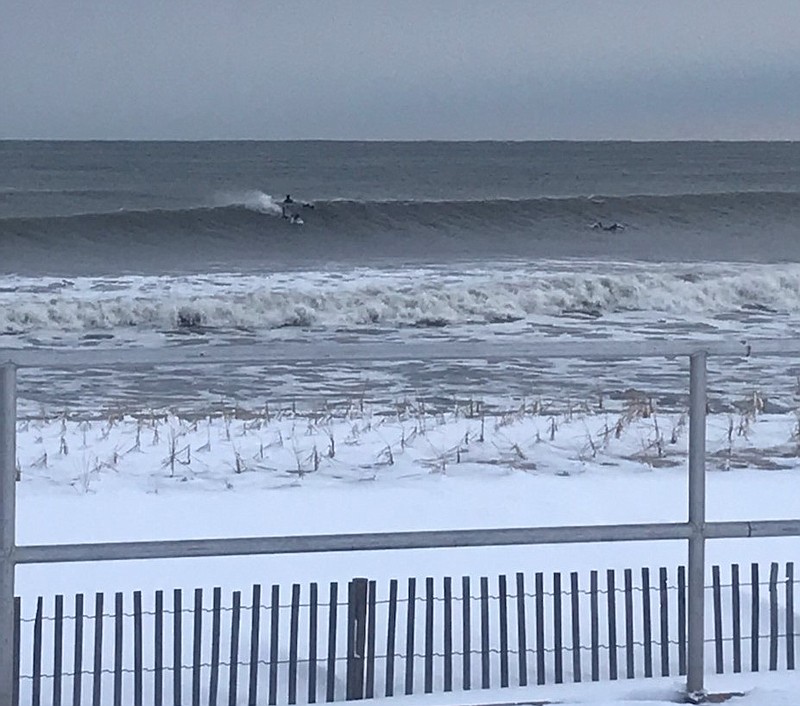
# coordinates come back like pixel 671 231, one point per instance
pixel 107 244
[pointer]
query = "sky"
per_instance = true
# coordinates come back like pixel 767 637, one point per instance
pixel 400 69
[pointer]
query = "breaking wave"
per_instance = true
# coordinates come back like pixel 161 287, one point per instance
pixel 383 298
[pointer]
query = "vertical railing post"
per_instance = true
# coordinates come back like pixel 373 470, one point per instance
pixel 356 638
pixel 697 519
pixel 8 478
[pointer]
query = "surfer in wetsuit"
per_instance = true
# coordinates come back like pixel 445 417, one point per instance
pixel 598 225
pixel 288 200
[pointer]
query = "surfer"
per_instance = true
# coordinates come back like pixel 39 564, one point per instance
pixel 285 204
pixel 598 225
pixel 289 208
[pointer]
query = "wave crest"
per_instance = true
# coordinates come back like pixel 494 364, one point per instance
pixel 254 200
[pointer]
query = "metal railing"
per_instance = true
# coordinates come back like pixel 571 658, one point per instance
pixel 695 530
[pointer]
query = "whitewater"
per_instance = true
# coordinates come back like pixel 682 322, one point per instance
pixel 434 296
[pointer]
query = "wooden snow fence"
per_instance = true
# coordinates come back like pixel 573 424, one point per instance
pixel 312 643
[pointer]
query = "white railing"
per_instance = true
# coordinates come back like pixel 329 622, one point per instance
pixel 695 530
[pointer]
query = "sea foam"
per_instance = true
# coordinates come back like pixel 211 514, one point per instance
pixel 419 297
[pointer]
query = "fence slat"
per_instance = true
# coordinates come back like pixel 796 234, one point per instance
pixel 98 650
pixel 313 602
pixel 369 687
pixel 391 634
pixel 466 634
pixel 630 667
pixel 294 627
pixel 138 648
pixel 522 647
pixel 773 616
pixel 274 620
pixel 647 624
pixel 663 599
pixel 736 616
pixel 119 617
pixel 448 634
pixel 158 649
pixel 558 639
pixel 216 622
pixel 410 618
pixel 503 617
pixel 754 617
pixel 575 600
pixel 36 686
pixel 330 689
pixel 717 593
pixel 58 648
pixel 429 616
pixel 790 615
pixel 595 626
pixel 357 590
pixel 197 646
pixel 611 601
pixel 682 646
pixel 485 668
pixel 255 644
pixel 177 647
pixel 233 662
pixel 540 664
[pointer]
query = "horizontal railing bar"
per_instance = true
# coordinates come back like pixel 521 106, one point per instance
pixel 303 544
pixel 438 539
pixel 755 528
pixel 261 354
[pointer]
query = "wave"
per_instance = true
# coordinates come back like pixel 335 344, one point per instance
pixel 245 232
pixel 389 299
pixel 242 211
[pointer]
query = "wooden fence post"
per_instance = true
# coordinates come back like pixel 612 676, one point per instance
pixel 356 637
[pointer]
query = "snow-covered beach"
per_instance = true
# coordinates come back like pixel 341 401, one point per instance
pixel 284 472
pixel 363 468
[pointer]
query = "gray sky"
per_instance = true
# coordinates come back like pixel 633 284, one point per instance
pixel 401 69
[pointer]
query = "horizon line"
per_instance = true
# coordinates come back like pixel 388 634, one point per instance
pixel 406 140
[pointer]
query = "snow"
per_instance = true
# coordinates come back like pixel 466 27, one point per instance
pixel 253 473
pixel 774 689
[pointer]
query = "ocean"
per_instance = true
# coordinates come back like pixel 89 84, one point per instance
pixel 118 244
